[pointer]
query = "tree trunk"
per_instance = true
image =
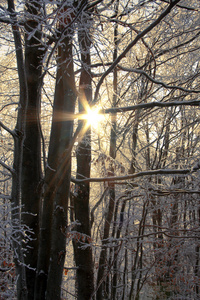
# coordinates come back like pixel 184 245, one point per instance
pixel 57 180
pixel 18 136
pixel 83 257
pixel 31 167
pixel 111 206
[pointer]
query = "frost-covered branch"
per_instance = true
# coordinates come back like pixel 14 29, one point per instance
pixel 182 6
pixel 11 170
pixel 149 105
pixel 133 43
pixel 157 81
pixel 136 175
pixel 97 205
pixel 5 196
pixel 7 129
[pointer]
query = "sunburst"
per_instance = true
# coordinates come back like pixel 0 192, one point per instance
pixel 93 117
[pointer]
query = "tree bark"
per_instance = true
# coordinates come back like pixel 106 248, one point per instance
pixel 111 206
pixel 17 162
pixel 31 167
pixel 83 257
pixel 57 180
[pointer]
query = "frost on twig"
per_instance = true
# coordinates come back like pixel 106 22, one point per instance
pixel 11 233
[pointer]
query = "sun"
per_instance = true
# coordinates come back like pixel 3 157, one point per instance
pixel 93 117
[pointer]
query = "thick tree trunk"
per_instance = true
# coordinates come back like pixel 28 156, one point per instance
pixel 66 91
pixel 57 180
pixel 31 168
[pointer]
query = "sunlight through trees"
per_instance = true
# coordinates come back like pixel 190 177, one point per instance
pixel 99 157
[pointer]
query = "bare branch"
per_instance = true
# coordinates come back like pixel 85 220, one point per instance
pixel 7 129
pixel 4 269
pixel 96 205
pixel 157 81
pixel 133 43
pixel 181 6
pixel 167 232
pixel 5 196
pixel 164 172
pixel 7 167
pixel 91 5
pixel 6 105
pixel 149 105
pixel 5 21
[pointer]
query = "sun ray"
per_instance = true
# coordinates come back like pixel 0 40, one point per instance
pixel 93 117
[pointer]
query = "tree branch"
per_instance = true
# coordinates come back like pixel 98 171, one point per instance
pixel 96 206
pixel 136 175
pixel 93 4
pixel 181 6
pixel 7 129
pixel 5 21
pixel 157 81
pixel 133 43
pixel 11 170
pixel 149 105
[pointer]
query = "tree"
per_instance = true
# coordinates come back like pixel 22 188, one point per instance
pixel 134 208
pixel 31 166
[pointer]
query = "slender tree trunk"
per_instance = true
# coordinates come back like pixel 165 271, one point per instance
pixel 18 136
pixel 111 206
pixel 31 168
pixel 137 265
pixel 83 257
pixel 197 259
pixel 134 142
pixel 116 252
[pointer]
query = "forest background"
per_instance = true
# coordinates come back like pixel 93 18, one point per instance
pixel 99 161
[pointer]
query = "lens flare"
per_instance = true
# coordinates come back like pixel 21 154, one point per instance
pixel 93 117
